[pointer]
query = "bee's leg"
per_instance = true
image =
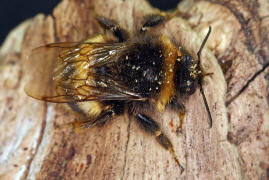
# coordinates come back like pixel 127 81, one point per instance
pixel 156 19
pixel 181 112
pixel 152 20
pixel 98 121
pixel 181 115
pixel 116 108
pixel 95 39
pixel 152 127
pixel 111 25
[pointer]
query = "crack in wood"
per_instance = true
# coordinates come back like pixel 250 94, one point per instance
pixel 56 39
pixel 39 140
pixel 126 147
pixel 228 102
pixel 250 40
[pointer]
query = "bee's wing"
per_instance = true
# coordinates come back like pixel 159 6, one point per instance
pixel 63 72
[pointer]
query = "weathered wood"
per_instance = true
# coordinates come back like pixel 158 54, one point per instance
pixel 35 142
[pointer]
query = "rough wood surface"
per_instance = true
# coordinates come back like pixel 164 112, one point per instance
pixel 36 144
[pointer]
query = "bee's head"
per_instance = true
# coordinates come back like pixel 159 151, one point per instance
pixel 187 74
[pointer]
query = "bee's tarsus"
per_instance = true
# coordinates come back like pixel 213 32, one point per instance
pixel 152 127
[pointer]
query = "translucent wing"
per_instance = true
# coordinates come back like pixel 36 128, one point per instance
pixel 65 72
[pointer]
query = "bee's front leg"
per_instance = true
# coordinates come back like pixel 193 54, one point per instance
pixel 181 112
pixel 152 127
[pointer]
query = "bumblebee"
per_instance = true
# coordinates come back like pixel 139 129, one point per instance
pixel 101 77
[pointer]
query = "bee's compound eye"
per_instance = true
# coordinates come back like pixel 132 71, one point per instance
pixel 187 61
pixel 185 83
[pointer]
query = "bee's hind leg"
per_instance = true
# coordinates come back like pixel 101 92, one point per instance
pixel 111 25
pixel 98 121
pixel 100 38
pixel 152 127
pixel 116 108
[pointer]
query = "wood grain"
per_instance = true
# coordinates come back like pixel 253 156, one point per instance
pixel 35 142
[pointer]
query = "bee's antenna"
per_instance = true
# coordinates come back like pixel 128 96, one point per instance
pixel 200 80
pixel 206 105
pixel 203 44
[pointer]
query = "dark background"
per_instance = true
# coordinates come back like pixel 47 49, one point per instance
pixel 12 12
